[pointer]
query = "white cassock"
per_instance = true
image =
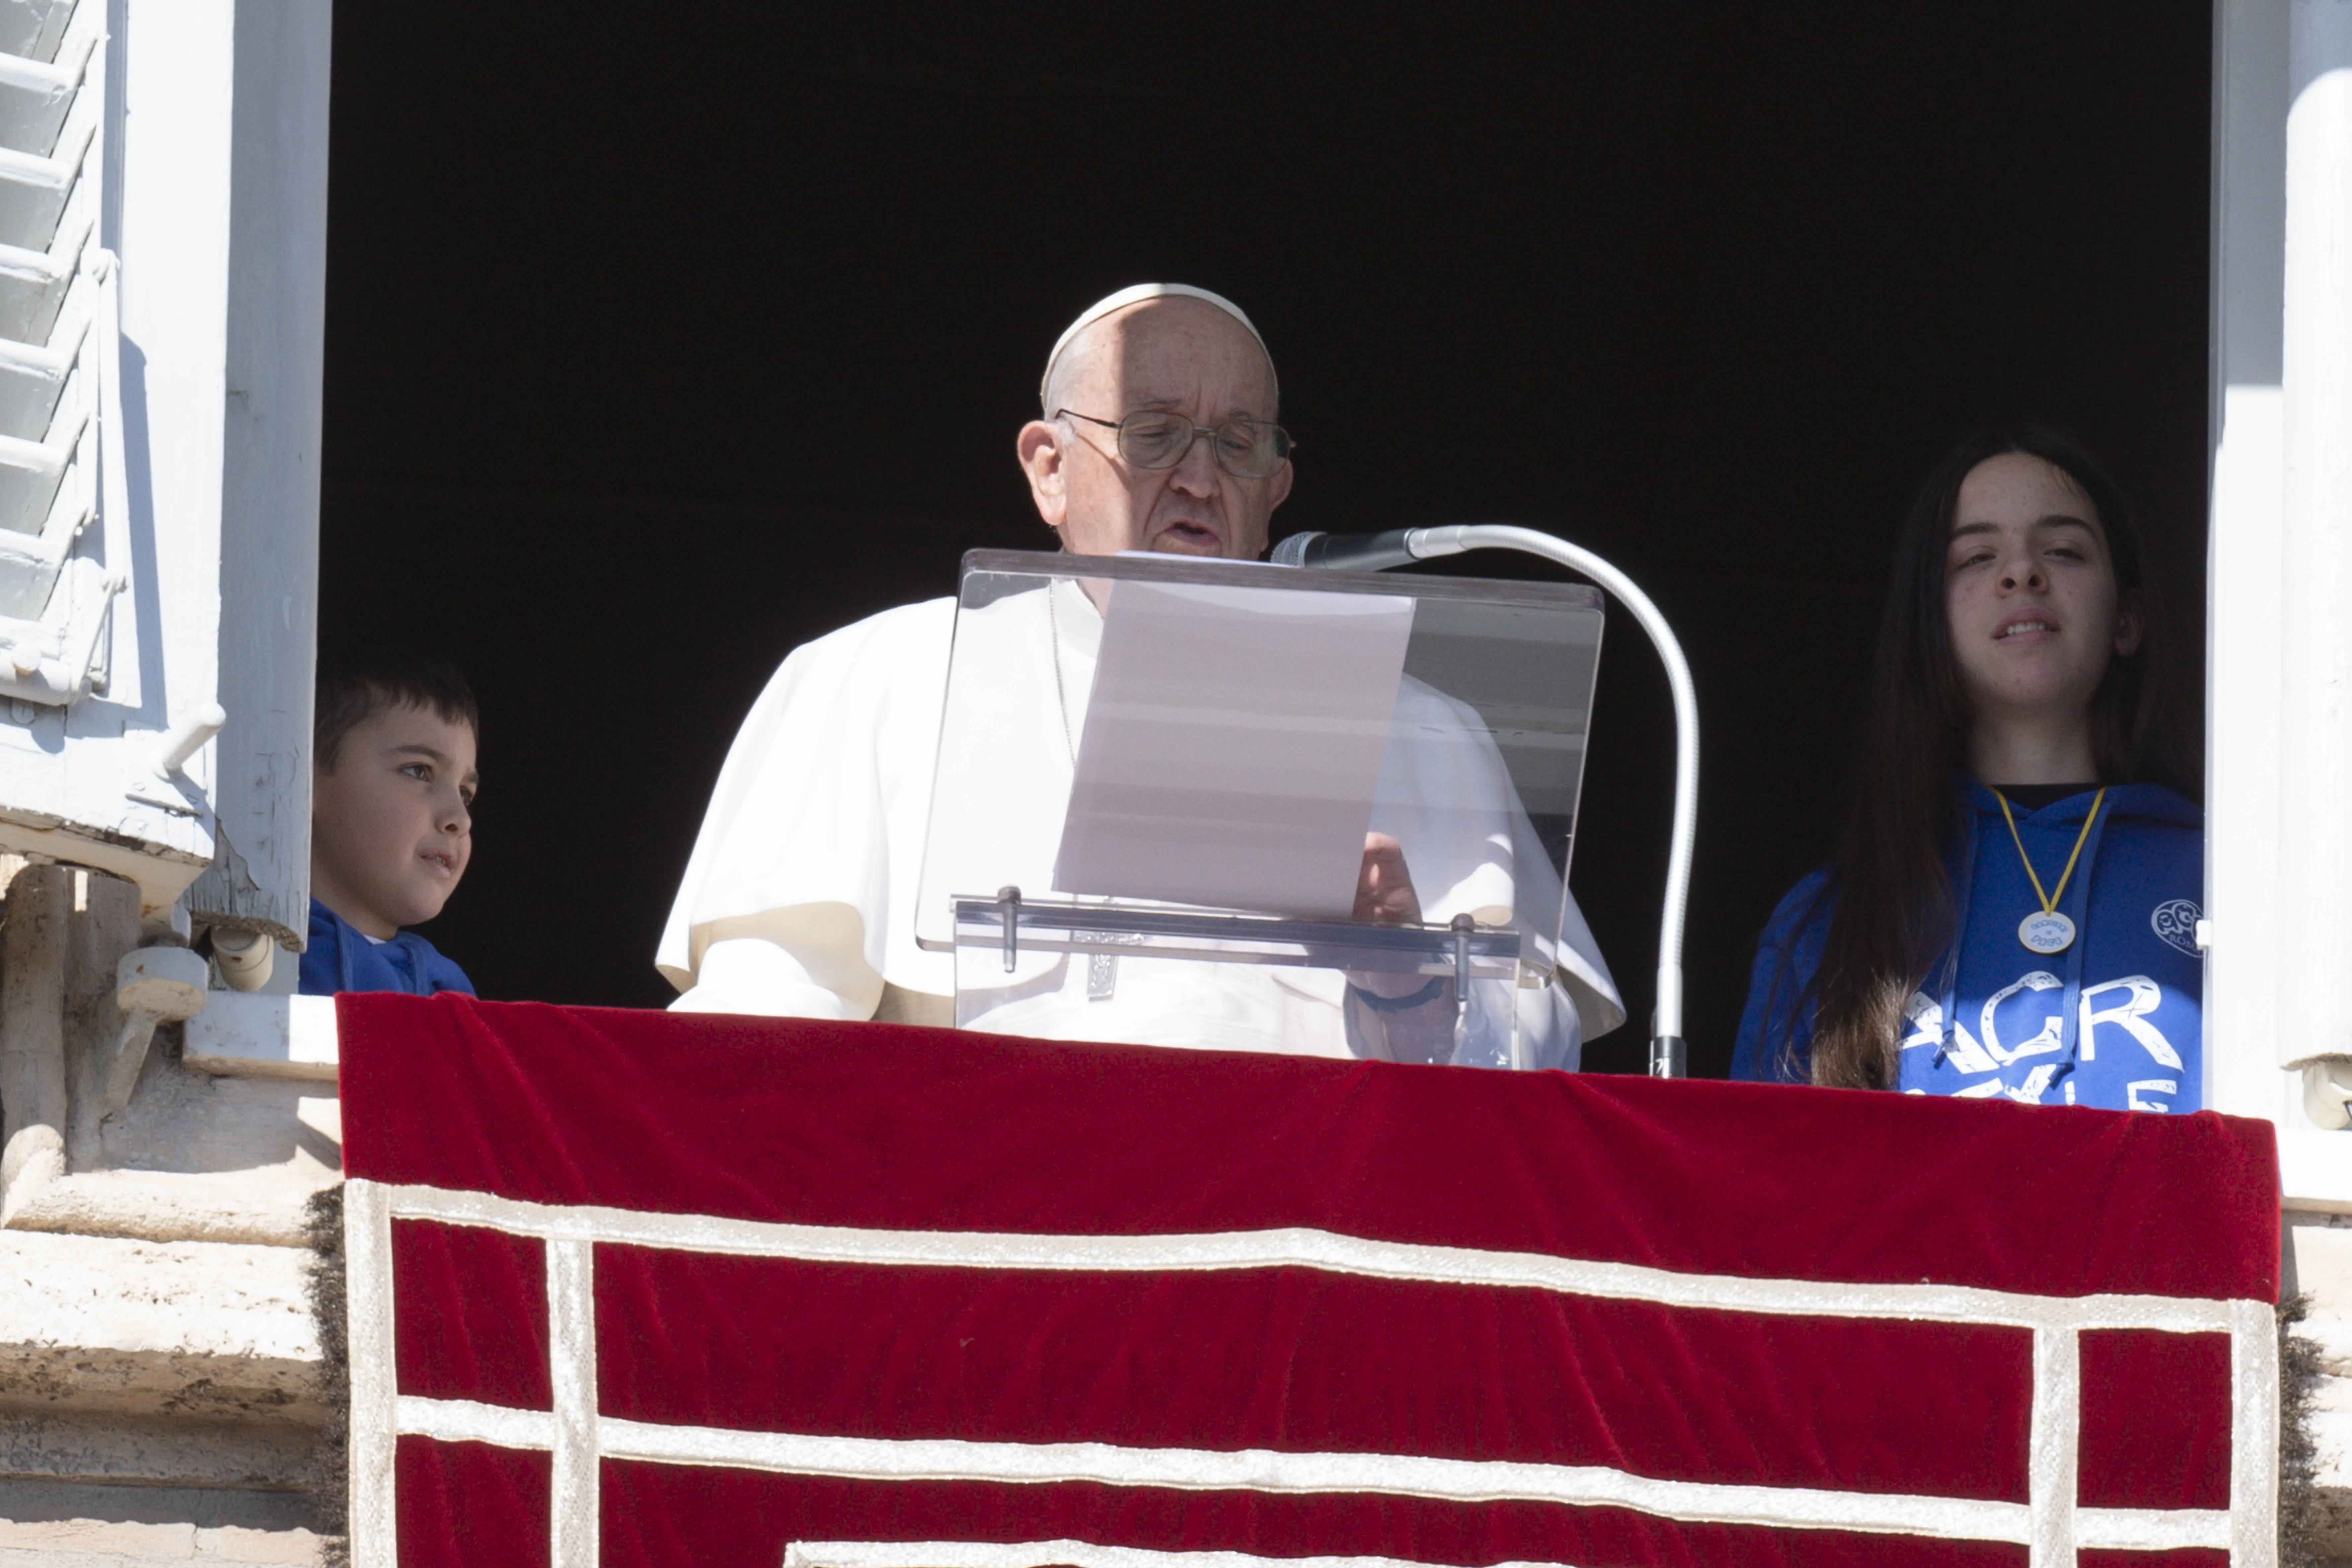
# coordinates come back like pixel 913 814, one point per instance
pixel 800 897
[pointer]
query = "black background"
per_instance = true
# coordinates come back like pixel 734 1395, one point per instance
pixel 661 341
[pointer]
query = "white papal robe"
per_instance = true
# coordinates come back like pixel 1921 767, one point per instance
pixel 799 897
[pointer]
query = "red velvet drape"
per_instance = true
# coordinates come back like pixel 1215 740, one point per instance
pixel 880 1128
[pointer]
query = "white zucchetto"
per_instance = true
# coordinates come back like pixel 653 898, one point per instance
pixel 1135 295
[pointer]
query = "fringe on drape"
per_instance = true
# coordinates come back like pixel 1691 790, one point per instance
pixel 330 1469
pixel 2300 1517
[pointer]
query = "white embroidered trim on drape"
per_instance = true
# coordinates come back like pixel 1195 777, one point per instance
pixel 2049 1524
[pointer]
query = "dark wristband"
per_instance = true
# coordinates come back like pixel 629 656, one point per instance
pixel 1405 1004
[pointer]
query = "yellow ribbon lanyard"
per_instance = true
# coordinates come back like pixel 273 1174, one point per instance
pixel 2049 901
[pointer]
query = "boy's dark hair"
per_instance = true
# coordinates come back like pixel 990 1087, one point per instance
pixel 357 683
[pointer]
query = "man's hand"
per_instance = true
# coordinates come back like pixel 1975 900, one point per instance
pixel 1384 888
pixel 1384 896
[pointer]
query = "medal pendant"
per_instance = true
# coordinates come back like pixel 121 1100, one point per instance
pixel 2046 933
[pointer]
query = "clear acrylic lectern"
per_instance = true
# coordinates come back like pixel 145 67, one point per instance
pixel 1229 804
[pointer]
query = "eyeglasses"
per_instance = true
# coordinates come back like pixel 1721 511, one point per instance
pixel 1154 438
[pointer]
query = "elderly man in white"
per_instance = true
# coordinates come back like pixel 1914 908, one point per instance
pixel 1158 433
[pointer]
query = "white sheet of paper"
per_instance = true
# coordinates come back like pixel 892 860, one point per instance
pixel 1233 745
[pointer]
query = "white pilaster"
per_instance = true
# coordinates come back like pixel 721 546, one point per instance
pixel 2279 586
pixel 2314 928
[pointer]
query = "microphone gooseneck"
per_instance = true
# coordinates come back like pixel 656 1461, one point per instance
pixel 1346 552
pixel 1376 552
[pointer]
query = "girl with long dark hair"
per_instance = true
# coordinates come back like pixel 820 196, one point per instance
pixel 2012 907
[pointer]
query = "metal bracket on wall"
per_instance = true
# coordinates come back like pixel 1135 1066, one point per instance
pixel 158 781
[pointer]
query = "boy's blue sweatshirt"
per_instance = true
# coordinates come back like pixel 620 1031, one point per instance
pixel 2116 1020
pixel 341 958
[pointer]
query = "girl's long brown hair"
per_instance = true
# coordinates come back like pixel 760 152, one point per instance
pixel 1893 915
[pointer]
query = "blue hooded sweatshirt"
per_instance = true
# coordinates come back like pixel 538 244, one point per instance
pixel 2116 1020
pixel 340 957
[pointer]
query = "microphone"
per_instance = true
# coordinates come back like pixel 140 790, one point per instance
pixel 1346 552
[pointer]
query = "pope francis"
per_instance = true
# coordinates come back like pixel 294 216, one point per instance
pixel 1158 433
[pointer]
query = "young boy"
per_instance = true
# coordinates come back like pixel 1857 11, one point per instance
pixel 392 827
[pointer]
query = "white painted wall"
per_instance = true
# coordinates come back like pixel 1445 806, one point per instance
pixel 2316 538
pixel 2279 607
pixel 270 525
